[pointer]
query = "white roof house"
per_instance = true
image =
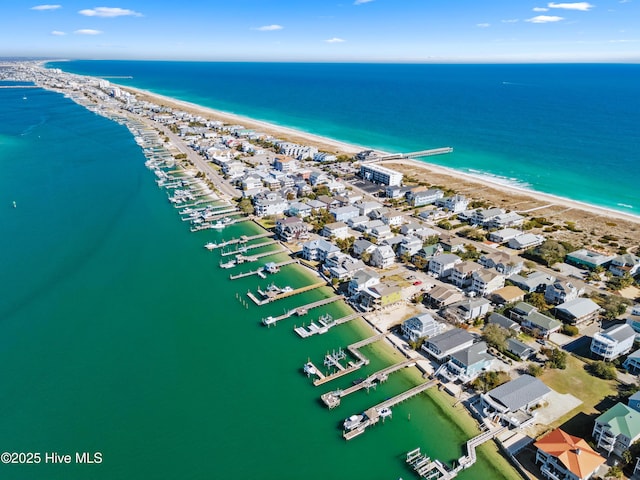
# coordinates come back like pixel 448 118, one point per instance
pixel 613 342
pixel 421 326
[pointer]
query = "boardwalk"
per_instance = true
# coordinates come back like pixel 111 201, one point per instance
pixel 325 324
pixel 299 311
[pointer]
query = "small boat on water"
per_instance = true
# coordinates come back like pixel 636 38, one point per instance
pixel 353 422
pixel 210 245
pixel 309 369
pixel 357 381
pixel 218 225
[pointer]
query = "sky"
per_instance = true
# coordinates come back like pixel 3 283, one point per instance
pixel 324 30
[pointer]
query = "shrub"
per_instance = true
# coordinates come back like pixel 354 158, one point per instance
pixel 604 370
pixel 570 330
pixel 534 369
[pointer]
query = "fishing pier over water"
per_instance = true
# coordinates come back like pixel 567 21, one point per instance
pixel 418 154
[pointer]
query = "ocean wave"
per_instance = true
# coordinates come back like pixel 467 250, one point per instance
pixel 625 205
pixel 507 181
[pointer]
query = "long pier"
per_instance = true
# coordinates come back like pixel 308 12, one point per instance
pixel 332 399
pixel 246 248
pixel 418 154
pixel 373 413
pixel 299 311
pixel 242 239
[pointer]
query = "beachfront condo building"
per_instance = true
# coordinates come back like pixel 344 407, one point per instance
pixel 380 174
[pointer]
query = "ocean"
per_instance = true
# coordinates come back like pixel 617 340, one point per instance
pixel 121 335
pixel 564 129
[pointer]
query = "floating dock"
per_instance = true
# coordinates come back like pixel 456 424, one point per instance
pixel 269 297
pixel 326 322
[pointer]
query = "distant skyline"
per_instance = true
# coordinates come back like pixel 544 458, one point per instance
pixel 325 31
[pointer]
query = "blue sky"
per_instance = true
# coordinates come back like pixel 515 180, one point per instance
pixel 323 30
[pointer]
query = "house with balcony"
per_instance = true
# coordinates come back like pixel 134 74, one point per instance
pixel 379 296
pixel 318 250
pixel 505 220
pixel 613 342
pixel 506 295
pixel 442 265
pixel 454 204
pixel 562 291
pixel 465 365
pixel 361 280
pixel 291 228
pixel 421 326
pixel 564 457
pixel 485 281
pixel 502 262
pixel 632 363
pixel 588 258
pixel 504 235
pixel 515 400
pixel 383 257
pixel 269 203
pixel 381 232
pixel 344 214
pixel 441 347
pixel 627 264
pixel 336 230
pixel 520 349
pixel 577 311
pixel 442 295
pixel 409 246
pixel 468 309
pixel 461 275
pixel 525 240
pixel 420 196
pixel 483 216
pixel 362 246
pixel 342 266
pixel 617 429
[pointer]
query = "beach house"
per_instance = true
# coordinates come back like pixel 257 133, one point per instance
pixel 485 281
pixel 563 456
pixel 562 291
pixel 421 326
pixel 318 250
pixel 613 342
pixel 442 346
pixel 617 429
pixel 442 265
pixel 466 364
pixel 577 311
pixel 515 400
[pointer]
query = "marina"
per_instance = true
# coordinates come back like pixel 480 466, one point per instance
pixel 325 322
pixel 299 311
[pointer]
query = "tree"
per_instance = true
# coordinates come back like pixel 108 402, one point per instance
pixel 604 370
pixel 570 330
pixel 534 369
pixel 612 305
pixel 557 358
pixel 549 253
pixel 419 262
pixel 537 300
pixel 445 225
pixel 496 336
pixel 489 380
pixel 245 205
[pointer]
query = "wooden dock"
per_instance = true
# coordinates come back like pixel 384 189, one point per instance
pixel 351 366
pixel 246 248
pixel 260 271
pixel 299 311
pixel 324 325
pixel 332 399
pixel 242 239
pixel 373 415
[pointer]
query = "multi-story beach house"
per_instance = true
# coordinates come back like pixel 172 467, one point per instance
pixel 588 258
pixel 504 220
pixel 455 204
pixel 318 250
pixel 269 203
pixel 420 196
pixel 627 264
pixel 534 282
pixel 383 257
pixel 468 309
pixel 284 164
pixel 533 321
pixel 514 402
pixel 336 230
pixel 564 457
pixel 502 263
pixel 342 266
pixel 421 326
pixel 344 214
pixel 441 347
pixel 291 228
pixel 526 240
pixel 465 365
pixel 361 280
pixel 442 265
pixel 562 291
pixel 409 246
pixel 613 342
pixel 485 281
pixel 617 429
pixel 461 274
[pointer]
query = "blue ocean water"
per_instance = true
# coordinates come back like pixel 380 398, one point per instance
pixel 564 129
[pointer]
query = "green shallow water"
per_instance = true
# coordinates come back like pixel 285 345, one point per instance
pixel 120 333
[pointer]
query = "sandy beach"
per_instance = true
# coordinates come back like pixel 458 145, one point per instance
pixel 591 222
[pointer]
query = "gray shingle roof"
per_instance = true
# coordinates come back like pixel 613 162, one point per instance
pixel 520 392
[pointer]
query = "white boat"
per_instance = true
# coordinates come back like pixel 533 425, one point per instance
pixel 309 369
pixel 218 225
pixel 210 245
pixel 353 422
pixel 287 289
pixel 384 412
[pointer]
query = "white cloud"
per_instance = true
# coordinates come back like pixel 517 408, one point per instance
pixel 540 9
pixel 510 20
pixel 109 12
pixel 46 7
pixel 335 40
pixel 544 19
pixel 483 25
pixel 87 31
pixel 58 33
pixel 269 28
pixel 582 6
pixel 360 2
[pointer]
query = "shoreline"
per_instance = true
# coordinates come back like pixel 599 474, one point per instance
pixel 327 143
